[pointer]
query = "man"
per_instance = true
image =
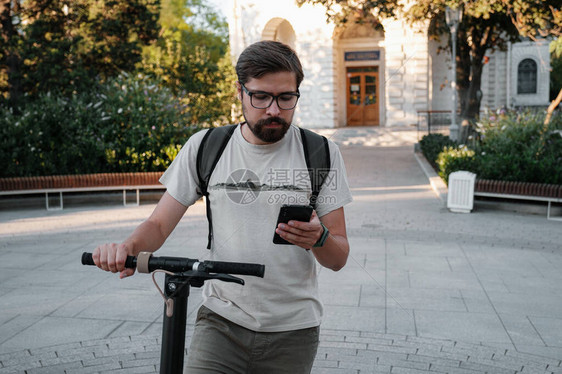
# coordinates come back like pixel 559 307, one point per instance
pixel 269 325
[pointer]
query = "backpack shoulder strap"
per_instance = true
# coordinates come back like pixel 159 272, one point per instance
pixel 317 157
pixel 212 146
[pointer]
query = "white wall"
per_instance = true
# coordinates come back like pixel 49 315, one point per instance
pixel 495 75
pixel 406 72
pixel 440 91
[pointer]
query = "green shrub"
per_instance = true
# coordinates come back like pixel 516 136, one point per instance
pixel 518 146
pixel 453 159
pixel 509 146
pixel 141 124
pixel 49 137
pixel 132 124
pixel 433 144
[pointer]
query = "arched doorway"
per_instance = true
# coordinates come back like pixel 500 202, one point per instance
pixel 280 30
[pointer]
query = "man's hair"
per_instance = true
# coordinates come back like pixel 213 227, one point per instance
pixel 266 57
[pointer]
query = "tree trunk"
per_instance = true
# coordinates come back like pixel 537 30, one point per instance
pixel 552 106
pixel 471 108
pixel 463 71
pixel 470 63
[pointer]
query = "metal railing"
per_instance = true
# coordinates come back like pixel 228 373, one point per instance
pixel 433 121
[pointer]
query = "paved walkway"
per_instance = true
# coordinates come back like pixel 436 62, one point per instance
pixel 424 290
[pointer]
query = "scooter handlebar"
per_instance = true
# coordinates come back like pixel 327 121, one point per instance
pixel 181 264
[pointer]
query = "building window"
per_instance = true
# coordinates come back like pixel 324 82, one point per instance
pixel 527 77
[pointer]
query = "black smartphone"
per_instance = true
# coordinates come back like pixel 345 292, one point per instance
pixel 291 213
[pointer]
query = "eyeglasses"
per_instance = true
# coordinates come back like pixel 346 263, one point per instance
pixel 263 100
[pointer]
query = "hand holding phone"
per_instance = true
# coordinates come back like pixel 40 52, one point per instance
pixel 291 213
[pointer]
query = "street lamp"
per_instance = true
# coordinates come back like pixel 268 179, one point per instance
pixel 453 18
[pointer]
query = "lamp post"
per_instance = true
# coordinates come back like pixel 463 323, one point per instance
pixel 453 18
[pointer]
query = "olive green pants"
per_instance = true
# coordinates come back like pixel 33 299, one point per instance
pixel 220 346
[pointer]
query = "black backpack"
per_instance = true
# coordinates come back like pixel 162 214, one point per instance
pixel 316 153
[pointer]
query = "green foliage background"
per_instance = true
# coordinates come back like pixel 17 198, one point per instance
pixel 109 85
pixel 130 124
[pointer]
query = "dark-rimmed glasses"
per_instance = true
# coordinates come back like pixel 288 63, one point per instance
pixel 263 100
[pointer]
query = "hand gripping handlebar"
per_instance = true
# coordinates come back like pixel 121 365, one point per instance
pixel 147 263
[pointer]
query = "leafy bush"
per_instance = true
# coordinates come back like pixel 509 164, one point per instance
pixel 49 137
pixel 132 124
pixel 517 146
pixel 509 146
pixel 141 124
pixel 454 159
pixel 433 144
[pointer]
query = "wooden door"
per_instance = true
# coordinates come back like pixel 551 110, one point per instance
pixel 363 96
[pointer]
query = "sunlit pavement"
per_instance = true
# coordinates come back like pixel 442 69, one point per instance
pixel 424 290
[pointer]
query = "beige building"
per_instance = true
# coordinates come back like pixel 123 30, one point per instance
pixel 358 76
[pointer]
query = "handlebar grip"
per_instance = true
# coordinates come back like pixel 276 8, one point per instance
pixel 130 262
pixel 177 264
pixel 87 259
pixel 239 268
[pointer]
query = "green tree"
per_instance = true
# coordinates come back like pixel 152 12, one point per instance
pixel 486 25
pixel 10 56
pixel 66 45
pixel 116 33
pixel 47 47
pixel 70 46
pixel 192 57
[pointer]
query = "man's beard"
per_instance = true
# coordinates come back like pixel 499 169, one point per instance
pixel 269 135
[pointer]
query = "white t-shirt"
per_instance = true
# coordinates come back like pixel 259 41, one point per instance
pixel 246 190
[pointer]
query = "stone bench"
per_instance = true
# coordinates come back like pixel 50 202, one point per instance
pixel 59 184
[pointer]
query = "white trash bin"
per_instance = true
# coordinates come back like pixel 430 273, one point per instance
pixel 460 197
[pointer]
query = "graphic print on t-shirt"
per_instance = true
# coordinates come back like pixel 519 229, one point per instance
pixel 243 186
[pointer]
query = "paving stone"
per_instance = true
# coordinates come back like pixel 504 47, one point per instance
pixel 449 370
pixel 485 368
pixel 361 367
pixel 148 354
pixel 392 348
pixel 102 361
pixel 334 371
pixel 326 363
pixel 55 369
pixel 435 361
pixel 95 369
pixel 141 363
pixel 135 370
